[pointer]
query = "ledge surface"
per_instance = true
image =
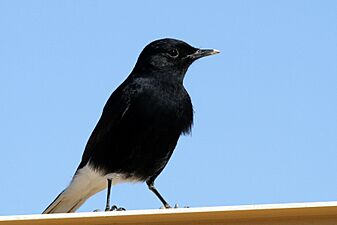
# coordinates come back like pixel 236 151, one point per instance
pixel 320 213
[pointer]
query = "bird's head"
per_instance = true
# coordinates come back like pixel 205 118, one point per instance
pixel 168 59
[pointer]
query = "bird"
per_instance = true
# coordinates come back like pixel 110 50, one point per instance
pixel 139 127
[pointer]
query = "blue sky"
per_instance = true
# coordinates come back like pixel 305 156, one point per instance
pixel 265 108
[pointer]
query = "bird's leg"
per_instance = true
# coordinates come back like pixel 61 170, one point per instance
pixel 151 186
pixel 107 206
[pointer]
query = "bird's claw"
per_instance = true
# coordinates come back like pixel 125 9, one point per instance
pixel 115 208
pixel 176 206
pixel 166 206
pixel 121 209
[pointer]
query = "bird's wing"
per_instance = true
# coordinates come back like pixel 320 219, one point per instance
pixel 113 112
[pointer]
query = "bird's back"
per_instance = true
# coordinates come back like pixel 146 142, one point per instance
pixel 142 122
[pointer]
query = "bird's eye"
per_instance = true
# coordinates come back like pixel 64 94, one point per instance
pixel 173 53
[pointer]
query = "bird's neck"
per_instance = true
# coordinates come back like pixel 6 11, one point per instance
pixel 167 76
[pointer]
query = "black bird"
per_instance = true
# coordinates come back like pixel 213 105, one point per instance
pixel 139 127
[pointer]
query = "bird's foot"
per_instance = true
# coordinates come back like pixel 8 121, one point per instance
pixel 97 210
pixel 166 206
pixel 176 206
pixel 115 208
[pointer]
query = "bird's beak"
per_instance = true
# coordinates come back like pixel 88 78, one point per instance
pixel 203 52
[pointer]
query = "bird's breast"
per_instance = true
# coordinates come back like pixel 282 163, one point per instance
pixel 170 107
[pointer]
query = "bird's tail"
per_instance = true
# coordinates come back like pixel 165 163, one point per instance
pixel 85 183
pixel 64 203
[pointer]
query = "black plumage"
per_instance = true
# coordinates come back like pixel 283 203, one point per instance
pixel 140 124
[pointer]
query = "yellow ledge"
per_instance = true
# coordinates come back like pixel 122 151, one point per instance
pixel 317 213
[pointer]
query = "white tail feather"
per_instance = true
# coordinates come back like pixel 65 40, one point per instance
pixel 64 204
pixel 84 184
